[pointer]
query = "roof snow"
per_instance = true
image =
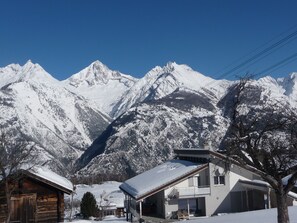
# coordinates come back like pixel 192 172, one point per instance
pixel 164 174
pixel 52 177
pixel 46 175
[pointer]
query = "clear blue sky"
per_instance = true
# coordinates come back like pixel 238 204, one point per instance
pixel 133 36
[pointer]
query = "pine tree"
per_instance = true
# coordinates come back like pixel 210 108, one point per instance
pixel 88 205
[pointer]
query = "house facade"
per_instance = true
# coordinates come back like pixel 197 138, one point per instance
pixel 38 196
pixel 196 183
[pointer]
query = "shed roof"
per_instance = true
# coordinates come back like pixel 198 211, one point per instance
pixel 160 177
pixel 46 176
pixel 51 178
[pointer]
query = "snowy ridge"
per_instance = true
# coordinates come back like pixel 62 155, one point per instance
pixel 28 72
pixel 160 82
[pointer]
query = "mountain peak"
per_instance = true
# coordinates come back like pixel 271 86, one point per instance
pixel 28 72
pixel 98 63
pixel 98 66
pixel 29 62
pixel 94 74
pixel 29 65
pixel 173 66
pixel 293 76
pixel 170 66
pixel 33 71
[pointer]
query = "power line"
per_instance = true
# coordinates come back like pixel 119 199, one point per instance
pixel 262 54
pixel 262 57
pixel 285 40
pixel 255 50
pixel 279 64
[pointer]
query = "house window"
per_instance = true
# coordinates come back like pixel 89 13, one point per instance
pixel 194 181
pixel 219 180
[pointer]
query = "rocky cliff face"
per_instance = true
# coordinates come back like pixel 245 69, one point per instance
pixel 146 135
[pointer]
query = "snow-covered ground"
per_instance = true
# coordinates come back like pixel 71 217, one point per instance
pixel 262 216
pixel 111 189
pixel 111 219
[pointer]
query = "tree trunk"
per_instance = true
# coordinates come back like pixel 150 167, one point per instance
pixel 8 201
pixel 71 207
pixel 282 207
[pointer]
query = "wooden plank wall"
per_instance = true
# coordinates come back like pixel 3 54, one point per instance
pixel 47 208
pixel 3 207
pixel 49 201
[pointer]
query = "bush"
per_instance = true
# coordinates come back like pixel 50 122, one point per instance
pixel 88 206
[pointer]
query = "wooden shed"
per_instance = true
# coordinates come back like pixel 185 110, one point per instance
pixel 38 197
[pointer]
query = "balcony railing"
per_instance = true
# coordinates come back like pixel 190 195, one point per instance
pixel 188 192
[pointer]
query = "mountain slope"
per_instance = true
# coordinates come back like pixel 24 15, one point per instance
pixel 147 134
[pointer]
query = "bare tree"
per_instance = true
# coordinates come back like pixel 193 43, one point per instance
pixel 14 156
pixel 262 137
pixel 71 171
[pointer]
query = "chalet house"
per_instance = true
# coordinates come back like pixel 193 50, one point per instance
pixel 38 196
pixel 198 183
pixel 112 204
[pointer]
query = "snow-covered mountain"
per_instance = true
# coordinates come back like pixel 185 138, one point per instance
pixel 170 107
pixel 37 107
pixel 100 84
pixel 162 81
pixel 176 108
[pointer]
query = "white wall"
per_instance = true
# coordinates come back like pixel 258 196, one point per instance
pixel 219 200
pixel 237 173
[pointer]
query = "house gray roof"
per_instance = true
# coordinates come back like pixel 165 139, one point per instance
pixel 164 175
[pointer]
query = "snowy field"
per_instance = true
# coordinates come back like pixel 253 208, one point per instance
pixel 106 220
pixel 262 216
